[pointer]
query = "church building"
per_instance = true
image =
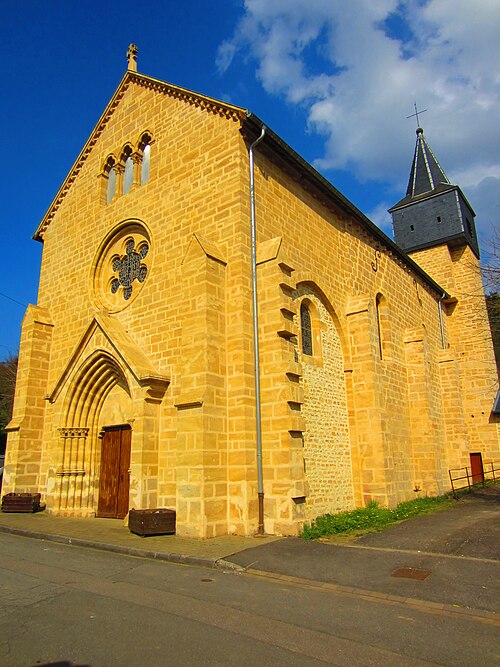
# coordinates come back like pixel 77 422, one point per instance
pixel 221 332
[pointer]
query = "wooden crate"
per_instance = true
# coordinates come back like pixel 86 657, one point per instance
pixel 21 502
pixel 159 521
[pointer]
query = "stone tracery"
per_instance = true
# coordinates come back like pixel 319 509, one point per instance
pixel 129 268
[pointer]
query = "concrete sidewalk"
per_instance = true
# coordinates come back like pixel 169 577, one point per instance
pixel 112 535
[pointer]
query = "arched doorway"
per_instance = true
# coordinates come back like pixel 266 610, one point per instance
pixel 96 441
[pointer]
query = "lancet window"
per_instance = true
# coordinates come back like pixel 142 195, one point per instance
pixel 128 175
pixel 145 153
pixel 132 169
pixel 383 320
pixel 110 175
pixel 306 329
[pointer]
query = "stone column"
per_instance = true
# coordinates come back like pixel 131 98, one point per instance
pixel 72 471
pixel 147 397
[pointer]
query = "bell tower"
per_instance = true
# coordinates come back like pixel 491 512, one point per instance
pixel 433 211
pixel 434 224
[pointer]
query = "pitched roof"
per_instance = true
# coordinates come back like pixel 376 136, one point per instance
pixel 126 350
pixel 279 151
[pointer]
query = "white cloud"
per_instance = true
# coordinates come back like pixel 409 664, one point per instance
pixel 357 67
pixel 380 216
pixel 486 193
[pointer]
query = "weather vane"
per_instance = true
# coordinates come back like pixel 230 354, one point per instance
pixel 416 113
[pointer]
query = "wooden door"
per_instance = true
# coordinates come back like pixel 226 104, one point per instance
pixel 476 467
pixel 114 478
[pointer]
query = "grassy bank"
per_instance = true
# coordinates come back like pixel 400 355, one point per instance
pixel 372 517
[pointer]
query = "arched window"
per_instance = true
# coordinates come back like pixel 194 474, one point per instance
pixel 379 326
pixel 145 164
pixel 129 170
pixel 110 192
pixel 383 322
pixel 306 329
pixel 127 167
pixel 109 174
pixel 144 150
pixel 128 175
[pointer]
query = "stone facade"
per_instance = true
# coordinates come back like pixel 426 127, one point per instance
pixel 144 321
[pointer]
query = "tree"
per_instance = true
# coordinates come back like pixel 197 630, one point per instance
pixel 493 306
pixel 8 371
pixel 491 279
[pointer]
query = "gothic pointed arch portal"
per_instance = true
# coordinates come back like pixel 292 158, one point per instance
pixel 107 385
pixel 98 396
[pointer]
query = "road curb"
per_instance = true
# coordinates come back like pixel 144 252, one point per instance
pixel 414 552
pixel 180 559
pixel 479 615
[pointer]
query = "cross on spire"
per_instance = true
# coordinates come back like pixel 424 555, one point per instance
pixel 416 113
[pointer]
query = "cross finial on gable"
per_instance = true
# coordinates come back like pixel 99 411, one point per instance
pixel 132 57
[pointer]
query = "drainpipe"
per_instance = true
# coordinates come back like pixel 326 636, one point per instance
pixel 441 323
pixel 258 425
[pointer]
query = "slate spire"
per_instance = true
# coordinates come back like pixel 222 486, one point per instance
pixel 433 211
pixel 426 172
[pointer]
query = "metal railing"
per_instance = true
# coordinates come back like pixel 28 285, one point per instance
pixel 491 472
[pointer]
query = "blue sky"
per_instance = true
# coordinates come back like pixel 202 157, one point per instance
pixel 336 80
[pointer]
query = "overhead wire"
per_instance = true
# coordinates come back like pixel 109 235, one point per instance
pixel 6 296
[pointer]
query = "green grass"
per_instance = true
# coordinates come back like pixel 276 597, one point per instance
pixel 372 517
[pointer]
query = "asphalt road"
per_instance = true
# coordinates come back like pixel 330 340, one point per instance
pixel 458 550
pixel 64 605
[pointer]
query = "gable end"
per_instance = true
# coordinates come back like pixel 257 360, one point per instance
pixel 209 104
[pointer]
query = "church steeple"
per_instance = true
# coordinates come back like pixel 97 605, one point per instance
pixel 426 173
pixel 434 211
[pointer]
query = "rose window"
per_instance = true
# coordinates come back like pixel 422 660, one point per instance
pixel 122 266
pixel 129 268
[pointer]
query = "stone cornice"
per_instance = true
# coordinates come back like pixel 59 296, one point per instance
pixel 202 101
pixel 212 105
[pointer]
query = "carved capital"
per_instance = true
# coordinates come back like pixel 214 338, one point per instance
pixel 73 431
